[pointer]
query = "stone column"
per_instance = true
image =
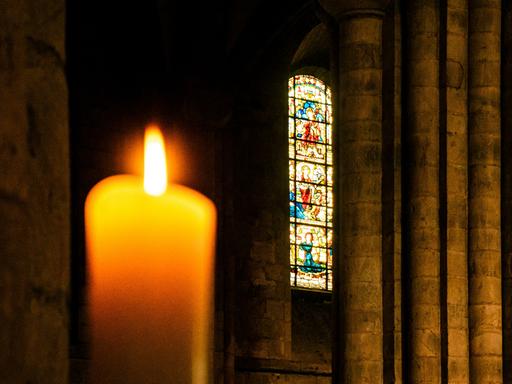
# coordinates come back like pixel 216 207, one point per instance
pixel 397 225
pixel 421 146
pixel 485 322
pixel 34 193
pixel 361 181
pixel 361 176
pixel 506 187
pixel 391 195
pixel 456 141
pixel 360 195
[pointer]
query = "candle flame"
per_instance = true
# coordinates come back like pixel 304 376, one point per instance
pixel 155 168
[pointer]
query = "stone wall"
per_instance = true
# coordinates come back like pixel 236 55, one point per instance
pixel 506 190
pixel 279 335
pixel 439 89
pixel 34 193
pixel 455 225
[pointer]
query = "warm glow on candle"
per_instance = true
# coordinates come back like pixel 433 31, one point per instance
pixel 150 258
pixel 155 168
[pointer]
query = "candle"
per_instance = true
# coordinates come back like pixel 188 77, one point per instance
pixel 150 252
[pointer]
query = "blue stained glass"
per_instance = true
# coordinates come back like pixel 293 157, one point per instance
pixel 311 180
pixel 311 214
pixel 310 233
pixel 309 110
pixel 309 264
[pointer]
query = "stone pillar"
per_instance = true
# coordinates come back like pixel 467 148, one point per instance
pixel 456 141
pixel 506 187
pixel 34 193
pixel 485 322
pixel 421 146
pixel 397 225
pixel 361 196
pixel 391 195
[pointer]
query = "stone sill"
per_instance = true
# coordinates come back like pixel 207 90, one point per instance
pixel 249 364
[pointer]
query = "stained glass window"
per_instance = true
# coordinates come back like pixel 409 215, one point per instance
pixel 310 180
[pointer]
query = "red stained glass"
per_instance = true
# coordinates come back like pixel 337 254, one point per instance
pixel 311 181
pixel 310 131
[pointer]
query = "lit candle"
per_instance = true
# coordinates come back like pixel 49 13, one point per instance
pixel 150 250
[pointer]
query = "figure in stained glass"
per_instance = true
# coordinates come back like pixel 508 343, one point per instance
pixel 309 131
pixel 296 208
pixel 310 174
pixel 314 194
pixel 319 174
pixel 305 173
pixel 309 265
pixel 305 193
pixel 308 110
pixel 313 214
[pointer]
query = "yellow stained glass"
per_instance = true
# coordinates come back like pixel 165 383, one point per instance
pixel 311 180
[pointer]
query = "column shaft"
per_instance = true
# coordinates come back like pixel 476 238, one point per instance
pixel 422 198
pixel 485 320
pixel 397 225
pixel 34 193
pixel 506 225
pixel 456 190
pixel 361 174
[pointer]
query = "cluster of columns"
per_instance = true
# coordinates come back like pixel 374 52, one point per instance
pixel 451 293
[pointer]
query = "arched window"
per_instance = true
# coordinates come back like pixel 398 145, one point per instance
pixel 310 174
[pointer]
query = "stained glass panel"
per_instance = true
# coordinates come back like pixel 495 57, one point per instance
pixel 305 150
pixel 329 176
pixel 309 110
pixel 309 88
pixel 291 148
pixel 310 193
pixel 291 169
pixel 329 156
pixel 329 134
pixel 312 280
pixel 310 131
pixel 316 236
pixel 328 114
pixel 311 173
pixel 311 180
pixel 311 259
pixel 328 95
pixel 291 127
pixel 310 214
